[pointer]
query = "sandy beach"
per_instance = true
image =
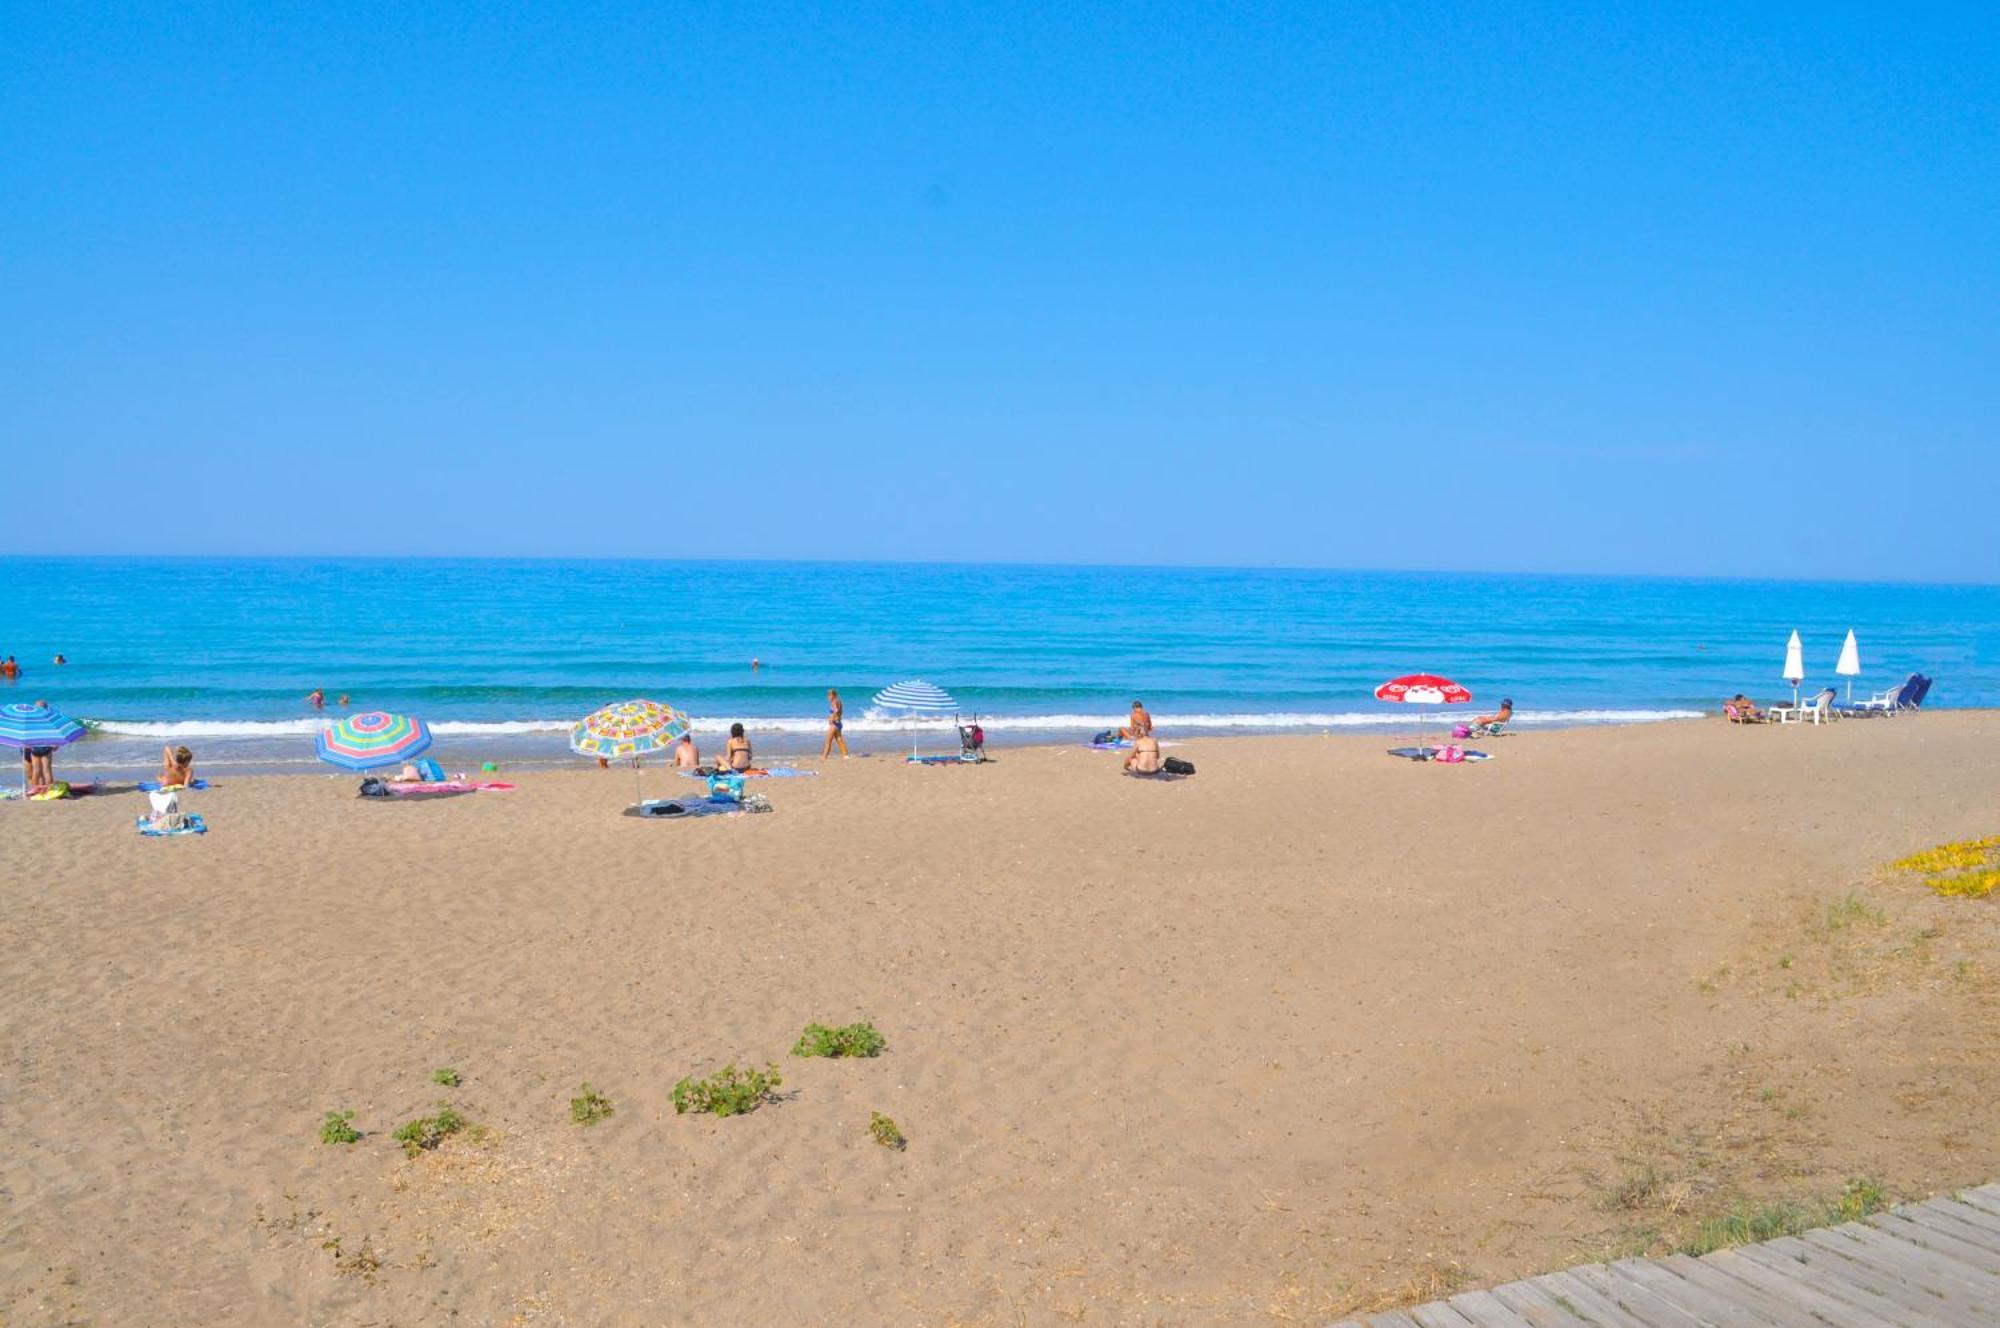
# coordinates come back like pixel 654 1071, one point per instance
pixel 1313 1030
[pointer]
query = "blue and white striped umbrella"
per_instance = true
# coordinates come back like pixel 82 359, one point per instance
pixel 36 724
pixel 918 696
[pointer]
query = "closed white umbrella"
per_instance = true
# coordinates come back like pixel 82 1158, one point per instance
pixel 1850 662
pixel 1795 665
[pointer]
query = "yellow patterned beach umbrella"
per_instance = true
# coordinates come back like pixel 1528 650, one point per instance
pixel 628 731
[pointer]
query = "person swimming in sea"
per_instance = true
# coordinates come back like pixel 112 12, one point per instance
pixel 316 698
pixel 835 723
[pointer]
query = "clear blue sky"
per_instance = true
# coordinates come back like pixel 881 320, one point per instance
pixel 1691 288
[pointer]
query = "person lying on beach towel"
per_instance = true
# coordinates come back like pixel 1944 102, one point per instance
pixel 1144 758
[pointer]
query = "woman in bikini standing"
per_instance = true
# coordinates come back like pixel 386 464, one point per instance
pixel 834 724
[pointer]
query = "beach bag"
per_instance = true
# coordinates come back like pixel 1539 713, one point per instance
pixel 1173 765
pixel 1460 731
pixel 1105 738
pixel 726 788
pixel 167 814
pixel 372 787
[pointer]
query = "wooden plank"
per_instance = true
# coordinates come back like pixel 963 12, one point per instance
pixel 1437 1314
pixel 1967 1223
pixel 1981 1199
pixel 1705 1305
pixel 1637 1298
pixel 1589 1301
pixel 1947 1279
pixel 1770 1309
pixel 1541 1306
pixel 1934 1234
pixel 1845 1266
pixel 1485 1311
pixel 1825 1274
pixel 1991 1191
pixel 1789 1290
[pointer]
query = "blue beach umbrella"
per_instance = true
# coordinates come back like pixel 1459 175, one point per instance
pixel 916 697
pixel 27 724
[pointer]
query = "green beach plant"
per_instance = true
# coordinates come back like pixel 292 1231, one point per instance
pixel 338 1128
pixel 884 1132
pixel 447 1076
pixel 589 1106
pixel 727 1092
pixel 1747 1224
pixel 427 1132
pixel 848 1040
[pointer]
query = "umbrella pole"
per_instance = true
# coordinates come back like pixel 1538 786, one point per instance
pixel 635 781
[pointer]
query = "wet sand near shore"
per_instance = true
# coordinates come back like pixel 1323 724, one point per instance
pixel 1310 1031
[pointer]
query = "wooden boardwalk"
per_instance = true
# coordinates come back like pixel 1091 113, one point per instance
pixel 1926 1265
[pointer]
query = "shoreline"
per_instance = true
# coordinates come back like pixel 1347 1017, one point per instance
pixel 547 748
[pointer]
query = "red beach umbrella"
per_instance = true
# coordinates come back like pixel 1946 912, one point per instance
pixel 1422 689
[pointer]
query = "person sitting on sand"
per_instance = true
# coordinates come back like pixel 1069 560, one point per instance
pixel 1488 725
pixel 1140 725
pixel 1144 758
pixel 736 755
pixel 176 767
pixel 686 755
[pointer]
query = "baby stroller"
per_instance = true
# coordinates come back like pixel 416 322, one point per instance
pixel 971 741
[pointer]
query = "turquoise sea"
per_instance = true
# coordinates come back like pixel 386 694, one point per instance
pixel 501 655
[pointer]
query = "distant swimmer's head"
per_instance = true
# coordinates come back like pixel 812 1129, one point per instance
pixel 736 730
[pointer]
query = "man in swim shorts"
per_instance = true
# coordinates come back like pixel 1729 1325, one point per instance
pixel 1140 725
pixel 686 755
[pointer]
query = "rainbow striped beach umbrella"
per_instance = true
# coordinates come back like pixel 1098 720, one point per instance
pixel 628 731
pixel 36 724
pixel 364 741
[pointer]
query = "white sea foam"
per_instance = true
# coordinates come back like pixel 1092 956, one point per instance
pixel 872 721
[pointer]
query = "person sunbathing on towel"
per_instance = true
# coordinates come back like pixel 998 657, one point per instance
pixel 1144 758
pixel 736 756
pixel 686 755
pixel 176 767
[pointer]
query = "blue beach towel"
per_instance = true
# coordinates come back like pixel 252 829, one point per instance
pixel 681 809
pixel 153 785
pixel 1424 754
pixel 195 826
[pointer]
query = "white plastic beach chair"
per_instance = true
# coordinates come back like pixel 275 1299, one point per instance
pixel 1819 710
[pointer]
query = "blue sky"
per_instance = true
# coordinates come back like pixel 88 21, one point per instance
pixel 1710 289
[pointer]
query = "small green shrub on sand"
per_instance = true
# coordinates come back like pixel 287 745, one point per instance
pixel 850 1040
pixel 427 1132
pixel 884 1132
pixel 447 1076
pixel 727 1092
pixel 589 1106
pixel 1746 1226
pixel 338 1128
